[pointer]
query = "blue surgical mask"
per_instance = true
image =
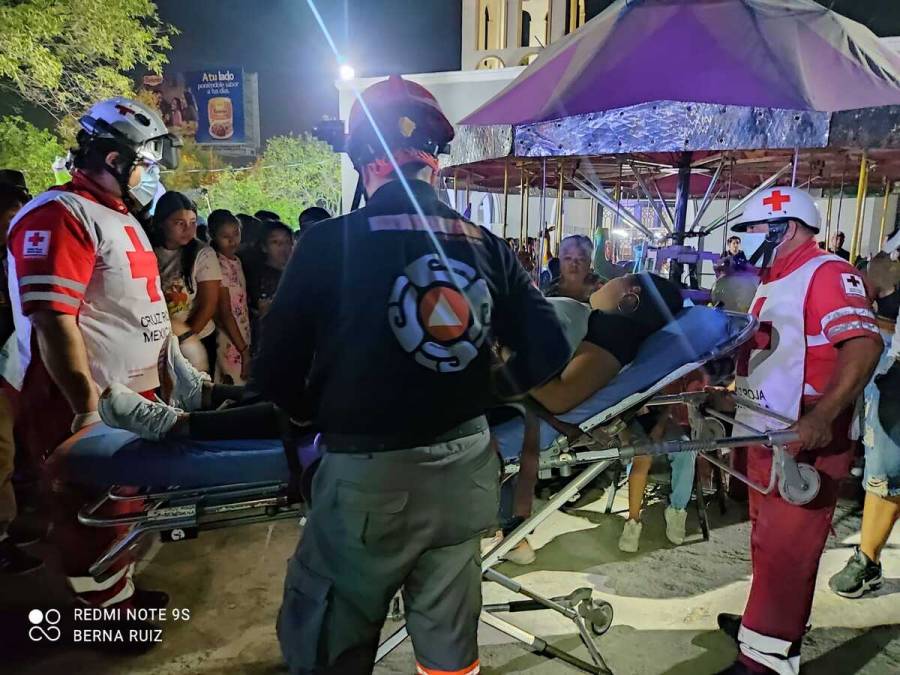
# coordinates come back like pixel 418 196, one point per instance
pixel 762 247
pixel 751 242
pixel 145 191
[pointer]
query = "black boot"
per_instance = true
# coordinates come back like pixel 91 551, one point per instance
pixel 729 624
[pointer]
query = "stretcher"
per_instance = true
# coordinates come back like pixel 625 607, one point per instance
pixel 187 487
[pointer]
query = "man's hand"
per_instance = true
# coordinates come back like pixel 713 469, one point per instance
pixel 814 431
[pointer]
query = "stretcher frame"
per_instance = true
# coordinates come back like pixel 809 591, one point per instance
pixel 178 514
pixel 593 617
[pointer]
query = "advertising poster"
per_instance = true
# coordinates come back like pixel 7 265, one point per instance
pixel 219 93
pixel 175 101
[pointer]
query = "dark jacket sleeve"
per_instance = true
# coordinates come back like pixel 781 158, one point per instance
pixel 526 323
pixel 287 342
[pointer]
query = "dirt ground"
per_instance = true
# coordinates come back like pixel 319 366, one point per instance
pixel 665 599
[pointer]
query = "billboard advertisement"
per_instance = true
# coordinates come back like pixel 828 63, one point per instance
pixel 207 105
pixel 218 94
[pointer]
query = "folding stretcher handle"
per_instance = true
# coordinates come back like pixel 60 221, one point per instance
pixel 773 438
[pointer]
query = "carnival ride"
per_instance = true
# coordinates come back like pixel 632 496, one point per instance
pixel 667 101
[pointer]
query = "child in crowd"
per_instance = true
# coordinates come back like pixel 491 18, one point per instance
pixel 233 341
pixel 275 246
pixel 190 275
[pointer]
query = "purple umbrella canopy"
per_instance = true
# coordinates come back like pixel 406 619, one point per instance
pixel 782 54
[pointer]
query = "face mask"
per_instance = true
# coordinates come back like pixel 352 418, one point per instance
pixel 761 247
pixel 754 246
pixel 144 192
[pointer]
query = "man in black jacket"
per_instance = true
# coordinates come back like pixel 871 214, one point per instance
pixel 383 328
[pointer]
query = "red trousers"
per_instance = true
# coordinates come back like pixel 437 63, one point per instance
pixel 786 541
pixel 43 422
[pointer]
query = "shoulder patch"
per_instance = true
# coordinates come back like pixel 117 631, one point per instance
pixel 36 244
pixel 853 285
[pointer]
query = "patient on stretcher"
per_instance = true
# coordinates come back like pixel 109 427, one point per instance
pixel 626 311
pixel 191 406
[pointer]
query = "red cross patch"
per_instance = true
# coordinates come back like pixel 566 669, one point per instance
pixel 853 285
pixel 36 244
pixel 776 200
pixel 143 264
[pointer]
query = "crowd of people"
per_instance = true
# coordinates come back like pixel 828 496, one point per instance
pixel 232 328
pixel 219 284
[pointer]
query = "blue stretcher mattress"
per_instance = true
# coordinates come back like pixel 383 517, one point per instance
pixel 102 456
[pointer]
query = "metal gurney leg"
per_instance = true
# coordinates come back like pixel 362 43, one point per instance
pixel 494 556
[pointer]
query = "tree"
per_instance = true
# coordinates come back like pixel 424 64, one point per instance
pixel 31 150
pixel 63 55
pixel 197 168
pixel 293 173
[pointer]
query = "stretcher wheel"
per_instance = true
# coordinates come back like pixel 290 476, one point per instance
pixel 598 614
pixel 807 491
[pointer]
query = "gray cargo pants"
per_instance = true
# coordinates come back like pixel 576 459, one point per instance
pixel 409 518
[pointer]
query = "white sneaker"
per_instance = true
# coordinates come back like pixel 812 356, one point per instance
pixel 180 384
pixel 122 408
pixel 631 536
pixel 675 525
pixel 489 544
pixel 522 554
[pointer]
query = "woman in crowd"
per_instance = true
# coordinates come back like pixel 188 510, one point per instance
pixel 575 278
pixel 233 339
pixel 190 275
pixel 275 246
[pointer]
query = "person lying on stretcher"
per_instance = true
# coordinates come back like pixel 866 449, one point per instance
pixel 626 311
pixel 190 406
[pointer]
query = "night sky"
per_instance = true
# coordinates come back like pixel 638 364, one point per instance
pixel 280 40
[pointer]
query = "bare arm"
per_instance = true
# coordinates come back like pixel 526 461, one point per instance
pixel 589 370
pixel 227 322
pixel 205 304
pixel 65 357
pixel 857 359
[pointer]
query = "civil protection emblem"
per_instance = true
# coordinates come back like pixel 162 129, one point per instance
pixel 440 316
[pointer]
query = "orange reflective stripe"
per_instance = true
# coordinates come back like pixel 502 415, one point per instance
pixel 471 669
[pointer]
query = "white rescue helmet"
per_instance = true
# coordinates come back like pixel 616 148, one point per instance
pixel 136 126
pixel 779 204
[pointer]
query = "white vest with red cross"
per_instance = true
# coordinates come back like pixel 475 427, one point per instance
pixel 122 317
pixel 771 367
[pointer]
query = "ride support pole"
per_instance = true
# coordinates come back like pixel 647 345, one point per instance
pixel 523 215
pixel 559 208
pixel 861 189
pixel 505 197
pixel 682 196
pixel 884 208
